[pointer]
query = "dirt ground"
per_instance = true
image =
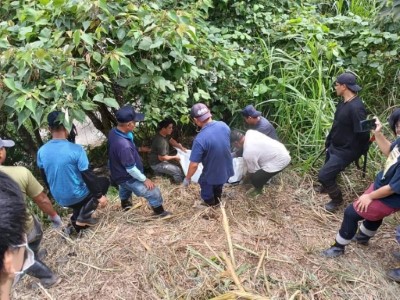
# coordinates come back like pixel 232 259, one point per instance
pixel 268 248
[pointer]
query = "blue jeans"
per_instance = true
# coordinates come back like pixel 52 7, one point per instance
pixel 169 169
pixel 139 189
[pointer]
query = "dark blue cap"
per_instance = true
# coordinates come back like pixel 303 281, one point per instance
pixel 53 118
pixel 349 79
pixel 250 111
pixel 127 114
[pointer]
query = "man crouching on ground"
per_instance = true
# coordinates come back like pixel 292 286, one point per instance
pixel 126 166
pixel 65 169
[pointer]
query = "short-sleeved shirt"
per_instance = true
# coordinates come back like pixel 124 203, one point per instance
pixel 212 148
pixel 63 162
pixel 345 138
pixel 159 147
pixel 391 176
pixel 28 184
pixel 265 127
pixel 122 155
pixel 262 152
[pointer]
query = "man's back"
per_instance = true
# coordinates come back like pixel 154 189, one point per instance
pixel 62 163
pixel 265 127
pixel 212 148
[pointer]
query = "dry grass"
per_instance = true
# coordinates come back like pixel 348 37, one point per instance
pixel 265 248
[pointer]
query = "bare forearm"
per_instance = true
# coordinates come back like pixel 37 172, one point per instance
pixel 383 143
pixel 175 144
pixel 45 205
pixel 192 169
pixel 381 192
pixel 167 157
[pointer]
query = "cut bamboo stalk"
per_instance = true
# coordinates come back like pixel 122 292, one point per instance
pixel 228 234
pixel 260 261
pixel 231 270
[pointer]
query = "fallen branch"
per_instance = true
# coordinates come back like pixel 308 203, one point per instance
pixel 231 270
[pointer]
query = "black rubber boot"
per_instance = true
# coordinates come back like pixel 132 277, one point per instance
pixel 85 214
pixel 336 198
pixel 126 204
pixel 361 238
pixel 160 212
pixel 44 274
pixel 334 251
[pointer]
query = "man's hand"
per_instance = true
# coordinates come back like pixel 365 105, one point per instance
pixel 177 158
pixel 56 221
pixel 149 184
pixel 363 202
pixel 378 124
pixel 102 201
pixel 186 182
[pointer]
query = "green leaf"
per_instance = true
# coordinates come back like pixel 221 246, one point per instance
pixel 157 43
pixel 81 89
pixel 111 102
pixel 31 105
pixel 98 97
pixel 146 43
pixel 87 105
pixel 125 62
pixel 97 57
pixel 114 65
pixel 10 83
pixel 121 34
pixel 166 65
pixel 22 116
pixel 87 38
pixel 145 78
pixel 76 37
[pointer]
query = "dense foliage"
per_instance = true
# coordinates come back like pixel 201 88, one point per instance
pixel 90 57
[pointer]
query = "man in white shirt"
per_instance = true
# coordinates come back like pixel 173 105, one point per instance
pixel 264 156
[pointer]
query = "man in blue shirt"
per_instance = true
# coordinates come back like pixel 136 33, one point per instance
pixel 126 166
pixel 381 199
pixel 65 170
pixel 255 121
pixel 211 147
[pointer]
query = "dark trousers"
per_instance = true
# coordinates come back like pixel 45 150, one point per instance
pixel 350 223
pixel 210 193
pixel 260 178
pixel 104 182
pixel 334 164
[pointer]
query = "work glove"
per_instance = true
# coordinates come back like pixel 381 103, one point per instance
pixel 186 182
pixel 56 221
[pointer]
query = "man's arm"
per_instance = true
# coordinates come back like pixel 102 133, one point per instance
pixel 175 144
pixel 381 140
pixel 168 157
pixel 45 205
pixel 191 170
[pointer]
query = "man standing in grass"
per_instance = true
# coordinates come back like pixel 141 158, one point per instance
pixel 345 142
pixel 212 148
pixel 264 156
pixel 381 199
pixel 31 188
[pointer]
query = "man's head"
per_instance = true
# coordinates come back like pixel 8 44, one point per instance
pixel 3 145
pixel 165 127
pixel 394 121
pixel 12 226
pixel 57 129
pixel 346 81
pixel 127 118
pixel 250 115
pixel 237 139
pixel 200 114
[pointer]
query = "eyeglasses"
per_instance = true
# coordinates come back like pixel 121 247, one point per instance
pixel 29 260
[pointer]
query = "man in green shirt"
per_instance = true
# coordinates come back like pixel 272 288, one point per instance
pixel 159 159
pixel 31 188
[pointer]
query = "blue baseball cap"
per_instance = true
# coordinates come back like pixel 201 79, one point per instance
pixel 127 114
pixel 250 111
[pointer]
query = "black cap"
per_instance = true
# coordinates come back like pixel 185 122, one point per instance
pixel 349 79
pixel 53 118
pixel 127 114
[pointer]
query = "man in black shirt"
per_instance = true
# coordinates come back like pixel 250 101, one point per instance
pixel 345 142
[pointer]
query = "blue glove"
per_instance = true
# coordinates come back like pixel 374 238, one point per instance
pixel 186 182
pixel 56 221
